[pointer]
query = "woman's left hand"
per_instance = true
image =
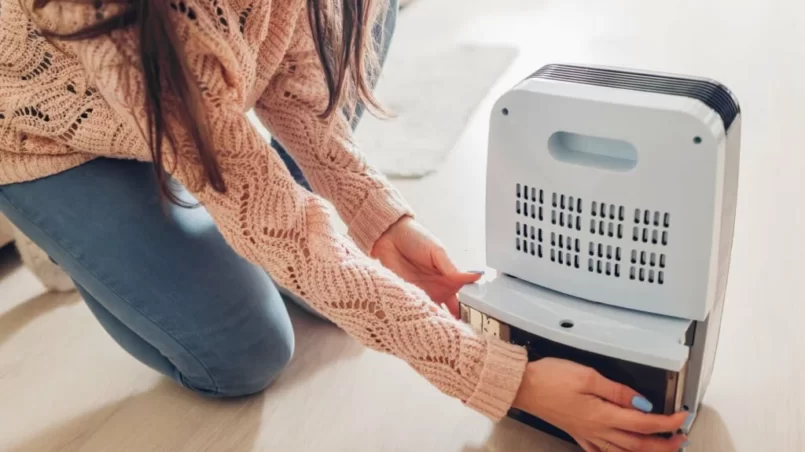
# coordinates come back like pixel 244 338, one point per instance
pixel 414 254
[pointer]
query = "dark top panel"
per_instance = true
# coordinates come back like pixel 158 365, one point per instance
pixel 714 95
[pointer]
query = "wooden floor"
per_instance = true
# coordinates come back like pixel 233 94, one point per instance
pixel 65 386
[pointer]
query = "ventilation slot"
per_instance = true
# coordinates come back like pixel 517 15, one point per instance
pixel 604 259
pixel 648 266
pixel 528 239
pixel 565 250
pixel 651 227
pixel 607 220
pixel 566 211
pixel 529 202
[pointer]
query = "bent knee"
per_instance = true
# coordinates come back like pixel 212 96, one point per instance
pixel 248 372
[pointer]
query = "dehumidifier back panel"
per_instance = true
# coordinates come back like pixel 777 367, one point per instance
pixel 611 195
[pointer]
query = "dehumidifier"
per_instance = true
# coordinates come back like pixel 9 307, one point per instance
pixel 610 205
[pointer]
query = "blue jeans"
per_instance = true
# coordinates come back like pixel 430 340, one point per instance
pixel 160 280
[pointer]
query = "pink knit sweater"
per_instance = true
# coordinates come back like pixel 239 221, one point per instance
pixel 61 107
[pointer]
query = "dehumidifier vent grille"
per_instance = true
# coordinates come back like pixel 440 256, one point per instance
pixel 715 95
pixel 545 219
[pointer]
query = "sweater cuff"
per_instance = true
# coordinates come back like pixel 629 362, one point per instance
pixel 500 379
pixel 379 212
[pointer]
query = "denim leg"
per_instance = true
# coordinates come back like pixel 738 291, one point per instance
pixel 161 281
pixel 382 32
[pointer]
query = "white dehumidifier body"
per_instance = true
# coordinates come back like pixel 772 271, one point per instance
pixel 610 206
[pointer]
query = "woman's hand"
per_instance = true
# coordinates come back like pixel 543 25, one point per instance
pixel 410 251
pixel 598 413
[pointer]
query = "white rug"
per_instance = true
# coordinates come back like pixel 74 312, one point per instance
pixel 432 96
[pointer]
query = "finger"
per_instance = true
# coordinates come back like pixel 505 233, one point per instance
pixel 644 443
pixel 648 424
pixel 618 394
pixel 605 446
pixel 465 278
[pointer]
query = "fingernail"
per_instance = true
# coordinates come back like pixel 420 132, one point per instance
pixel 685 444
pixel 642 404
pixel 688 423
pixel 477 272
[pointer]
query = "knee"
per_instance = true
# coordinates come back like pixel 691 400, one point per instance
pixel 250 370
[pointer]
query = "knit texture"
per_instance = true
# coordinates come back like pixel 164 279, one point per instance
pixel 63 106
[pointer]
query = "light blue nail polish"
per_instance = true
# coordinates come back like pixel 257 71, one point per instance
pixel 685 444
pixel 642 404
pixel 688 423
pixel 477 272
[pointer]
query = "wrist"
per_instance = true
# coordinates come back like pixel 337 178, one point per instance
pixel 529 394
pixel 388 234
pixel 502 375
pixel 379 212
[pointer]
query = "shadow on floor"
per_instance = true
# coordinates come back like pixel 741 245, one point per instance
pixel 179 419
pixel 318 345
pixel 26 312
pixel 9 260
pixel 511 436
pixel 709 434
pixel 169 417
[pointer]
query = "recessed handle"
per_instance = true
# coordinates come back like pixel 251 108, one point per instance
pixel 597 152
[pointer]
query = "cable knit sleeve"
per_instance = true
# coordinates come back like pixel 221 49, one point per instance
pixel 325 151
pixel 275 223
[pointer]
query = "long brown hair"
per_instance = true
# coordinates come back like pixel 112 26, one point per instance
pixel 342 33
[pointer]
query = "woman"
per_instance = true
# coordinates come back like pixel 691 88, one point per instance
pixel 109 108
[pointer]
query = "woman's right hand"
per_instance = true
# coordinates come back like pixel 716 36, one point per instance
pixel 598 413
